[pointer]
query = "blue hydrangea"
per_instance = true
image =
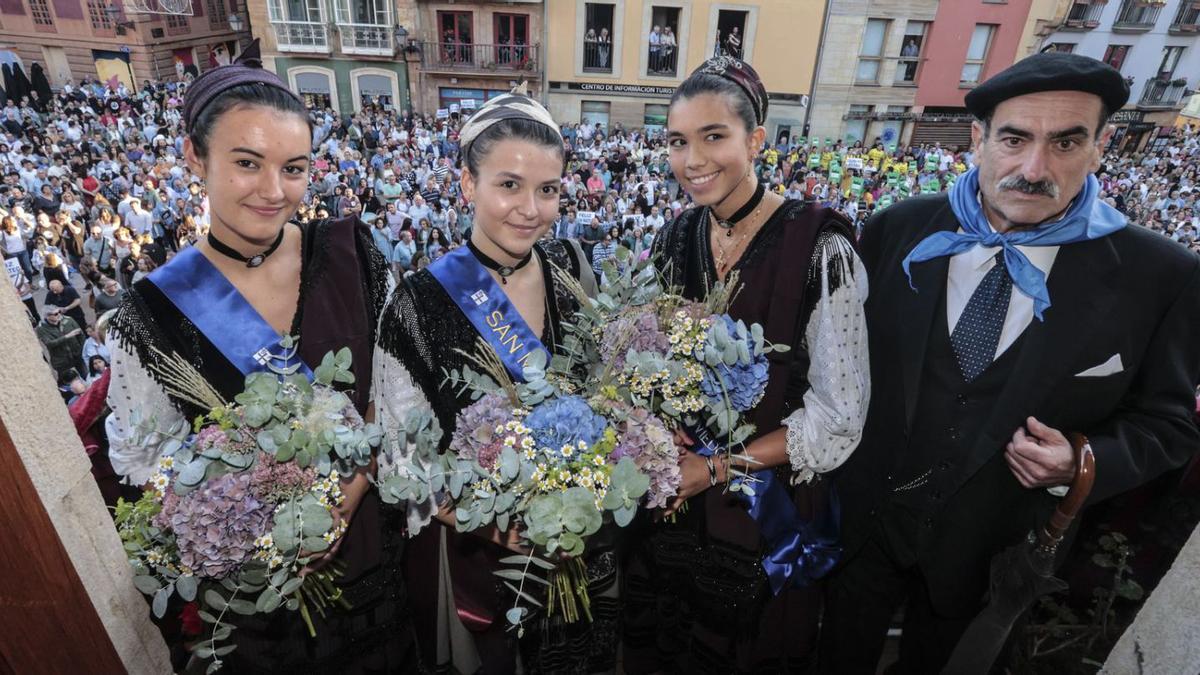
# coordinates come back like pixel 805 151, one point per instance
pixel 745 383
pixel 565 421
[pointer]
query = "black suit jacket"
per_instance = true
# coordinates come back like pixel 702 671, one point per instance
pixel 1133 293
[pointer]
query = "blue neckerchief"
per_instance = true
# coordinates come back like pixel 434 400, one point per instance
pixel 1086 218
pixel 488 309
pixel 198 289
pixel 798 552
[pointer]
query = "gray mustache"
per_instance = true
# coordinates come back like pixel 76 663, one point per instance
pixel 1018 183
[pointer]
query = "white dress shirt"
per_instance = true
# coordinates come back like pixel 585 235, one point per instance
pixel 967 270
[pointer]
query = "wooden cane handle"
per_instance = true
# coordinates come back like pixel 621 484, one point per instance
pixel 1081 487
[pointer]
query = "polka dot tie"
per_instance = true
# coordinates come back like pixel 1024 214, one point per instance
pixel 977 332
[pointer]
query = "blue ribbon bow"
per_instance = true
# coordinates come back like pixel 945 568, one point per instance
pixel 798 552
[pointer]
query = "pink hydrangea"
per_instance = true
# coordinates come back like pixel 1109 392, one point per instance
pixel 637 330
pixel 275 482
pixel 645 439
pixel 475 429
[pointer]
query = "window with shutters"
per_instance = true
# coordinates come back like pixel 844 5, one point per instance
pixel 40 11
pixel 101 24
pixel 218 14
pixel 178 24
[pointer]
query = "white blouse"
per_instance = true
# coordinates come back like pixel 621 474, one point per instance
pixel 142 416
pixel 395 396
pixel 822 434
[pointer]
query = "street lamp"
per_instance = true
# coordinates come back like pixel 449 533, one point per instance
pixel 236 24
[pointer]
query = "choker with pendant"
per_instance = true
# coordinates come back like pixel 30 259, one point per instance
pixel 505 271
pixel 230 252
pixel 728 224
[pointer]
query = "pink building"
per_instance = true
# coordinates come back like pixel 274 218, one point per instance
pixel 969 41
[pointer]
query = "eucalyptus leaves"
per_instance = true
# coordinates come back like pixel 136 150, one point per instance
pixel 246 497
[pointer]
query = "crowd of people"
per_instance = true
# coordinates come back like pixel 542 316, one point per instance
pixel 96 189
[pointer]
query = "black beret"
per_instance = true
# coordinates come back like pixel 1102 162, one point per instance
pixel 1050 71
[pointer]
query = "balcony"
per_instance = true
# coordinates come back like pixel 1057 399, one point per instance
pixel 597 57
pixel 1083 16
pixel 1187 19
pixel 906 71
pixel 367 39
pixel 307 37
pixel 480 59
pixel 1162 93
pixel 1137 16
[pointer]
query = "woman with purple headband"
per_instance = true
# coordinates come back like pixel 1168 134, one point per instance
pixel 729 584
pixel 249 139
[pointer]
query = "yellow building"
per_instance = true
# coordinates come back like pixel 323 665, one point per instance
pixel 614 61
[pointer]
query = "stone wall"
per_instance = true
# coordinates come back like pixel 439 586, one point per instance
pixel 40 428
pixel 1165 636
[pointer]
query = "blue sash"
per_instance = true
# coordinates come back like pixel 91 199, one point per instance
pixel 488 309
pixel 198 289
pixel 798 551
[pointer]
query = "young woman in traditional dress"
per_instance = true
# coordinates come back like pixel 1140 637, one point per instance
pixel 216 305
pixel 713 588
pixel 513 156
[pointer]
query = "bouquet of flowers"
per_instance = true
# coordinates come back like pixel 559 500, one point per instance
pixel 244 497
pixel 687 363
pixel 557 455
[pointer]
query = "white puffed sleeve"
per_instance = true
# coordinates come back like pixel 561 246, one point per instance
pixel 395 395
pixel 142 416
pixel 822 434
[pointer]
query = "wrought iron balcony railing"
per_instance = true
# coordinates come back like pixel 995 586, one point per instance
pixel 1162 93
pixel 480 58
pixel 367 39
pixel 301 36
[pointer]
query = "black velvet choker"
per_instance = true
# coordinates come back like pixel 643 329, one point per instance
pixel 252 261
pixel 728 224
pixel 505 271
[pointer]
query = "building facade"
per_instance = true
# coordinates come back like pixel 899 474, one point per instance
pixel 970 41
pixel 896 71
pixel 337 54
pixel 106 39
pixel 872 56
pixel 619 61
pixel 1156 45
pixel 468 52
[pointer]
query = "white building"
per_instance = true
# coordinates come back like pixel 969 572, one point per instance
pixel 1156 46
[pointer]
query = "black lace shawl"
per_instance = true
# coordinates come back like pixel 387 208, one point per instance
pixel 147 320
pixel 424 330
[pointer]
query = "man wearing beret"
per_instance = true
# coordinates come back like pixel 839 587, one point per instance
pixel 1004 315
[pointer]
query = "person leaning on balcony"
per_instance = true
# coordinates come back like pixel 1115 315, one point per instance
pixel 655 48
pixel 603 44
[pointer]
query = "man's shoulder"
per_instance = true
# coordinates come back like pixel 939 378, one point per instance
pixel 912 216
pixel 1147 249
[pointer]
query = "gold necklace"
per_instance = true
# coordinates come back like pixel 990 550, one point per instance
pixel 722 267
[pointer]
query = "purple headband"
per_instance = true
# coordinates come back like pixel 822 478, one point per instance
pixel 741 74
pixel 247 69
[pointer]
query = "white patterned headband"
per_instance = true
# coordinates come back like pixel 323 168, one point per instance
pixel 513 106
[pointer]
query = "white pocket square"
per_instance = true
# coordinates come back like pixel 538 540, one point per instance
pixel 1109 367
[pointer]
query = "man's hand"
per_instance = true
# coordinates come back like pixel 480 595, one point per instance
pixel 1041 458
